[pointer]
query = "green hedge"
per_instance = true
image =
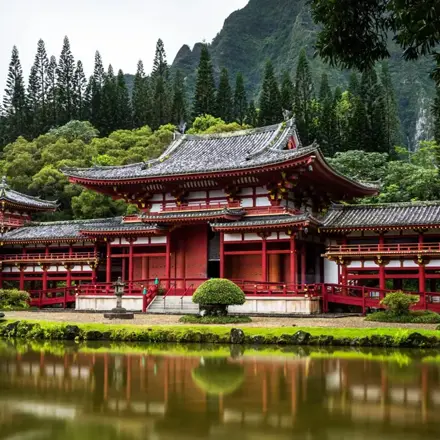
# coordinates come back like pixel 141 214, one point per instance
pixel 194 319
pixel 218 291
pixel 418 317
pixel 13 299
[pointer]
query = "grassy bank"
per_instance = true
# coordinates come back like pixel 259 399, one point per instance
pixel 368 337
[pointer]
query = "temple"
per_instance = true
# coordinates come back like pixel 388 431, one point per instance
pixel 254 206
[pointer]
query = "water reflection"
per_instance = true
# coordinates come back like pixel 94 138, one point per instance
pixel 79 392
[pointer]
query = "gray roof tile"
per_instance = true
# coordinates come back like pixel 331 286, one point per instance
pixel 266 220
pixel 382 215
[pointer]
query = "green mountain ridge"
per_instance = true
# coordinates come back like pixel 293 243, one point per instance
pixel 278 30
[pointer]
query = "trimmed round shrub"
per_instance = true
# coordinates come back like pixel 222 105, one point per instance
pixel 399 302
pixel 215 295
pixel 14 299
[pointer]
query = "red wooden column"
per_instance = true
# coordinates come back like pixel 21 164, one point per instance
pixel 264 260
pixel 108 269
pixel 130 264
pixel 94 265
pixel 222 254
pixel 69 275
pixel 382 280
pixel 422 270
pixel 45 268
pixel 168 260
pixel 22 266
pixel 303 263
pixel 293 256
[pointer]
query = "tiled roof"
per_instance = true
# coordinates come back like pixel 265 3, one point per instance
pixel 191 154
pixel 382 215
pixel 266 220
pixel 9 195
pixel 67 230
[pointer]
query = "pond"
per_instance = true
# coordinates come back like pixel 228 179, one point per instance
pixel 55 391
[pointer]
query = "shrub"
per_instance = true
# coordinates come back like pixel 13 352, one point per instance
pixel 399 303
pixel 191 319
pixel 215 295
pixel 418 317
pixel 14 299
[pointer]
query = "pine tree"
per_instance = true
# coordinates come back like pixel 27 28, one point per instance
pixel 123 105
pixel 287 92
pixel 161 111
pixel 240 100
pixel 204 98
pixel 392 122
pixel 141 98
pixel 51 87
pixel 303 100
pixel 108 118
pixel 79 95
pixel 353 84
pixel 179 110
pixel 324 89
pixel 224 97
pixel 40 98
pixel 270 101
pixel 33 102
pixel 436 116
pixel 327 118
pixel 251 115
pixel 65 83
pixel 14 100
pixel 95 91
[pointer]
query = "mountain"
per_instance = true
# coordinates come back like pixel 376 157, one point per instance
pixel 278 30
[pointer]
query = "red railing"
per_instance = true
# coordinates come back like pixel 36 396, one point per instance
pixel 76 256
pixel 63 297
pixel 201 206
pixel 13 221
pixel 392 248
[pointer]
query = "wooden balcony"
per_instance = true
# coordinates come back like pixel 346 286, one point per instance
pixel 201 207
pixel 392 249
pixel 75 257
pixel 13 221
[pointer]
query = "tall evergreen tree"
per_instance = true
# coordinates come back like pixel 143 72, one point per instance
pixel 52 95
pixel 303 100
pixel 392 122
pixel 65 83
pixel 123 105
pixel 141 98
pixel 108 118
pixel 353 84
pixel 14 100
pixel 324 89
pixel 251 115
pixel 204 98
pixel 436 116
pixel 224 97
pixel 161 89
pixel 80 93
pixel 287 92
pixel 240 99
pixel 270 101
pixel 327 134
pixel 33 103
pixel 96 85
pixel 179 110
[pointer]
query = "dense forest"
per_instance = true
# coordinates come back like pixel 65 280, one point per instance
pixel 60 117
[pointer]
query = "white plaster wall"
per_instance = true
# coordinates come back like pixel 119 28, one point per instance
pixel 197 195
pixel 355 264
pixel 330 272
pixel 246 191
pixel 217 193
pixel 394 263
pixel 283 236
pixel 370 264
pixel 158 240
pixel 142 240
pixel 247 203
pixel 409 263
pixel 156 207
pixel 261 190
pixel 433 263
pixel 250 236
pixel 233 237
pixel 262 201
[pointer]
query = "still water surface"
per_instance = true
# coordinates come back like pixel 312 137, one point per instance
pixel 171 392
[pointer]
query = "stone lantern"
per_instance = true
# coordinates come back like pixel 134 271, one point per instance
pixel 119 312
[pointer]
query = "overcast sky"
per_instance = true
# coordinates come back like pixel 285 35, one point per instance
pixel 124 31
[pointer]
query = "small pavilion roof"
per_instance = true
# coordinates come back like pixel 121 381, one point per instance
pixel 267 221
pixel 11 197
pixel 72 230
pixel 382 216
pixel 169 217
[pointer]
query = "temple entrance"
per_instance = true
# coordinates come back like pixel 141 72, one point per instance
pixel 214 269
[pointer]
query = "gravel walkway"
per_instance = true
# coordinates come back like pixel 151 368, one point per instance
pixel 346 322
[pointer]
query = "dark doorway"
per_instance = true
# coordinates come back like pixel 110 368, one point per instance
pixel 214 269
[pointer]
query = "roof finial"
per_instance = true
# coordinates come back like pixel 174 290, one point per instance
pixel 287 114
pixel 182 127
pixel 4 183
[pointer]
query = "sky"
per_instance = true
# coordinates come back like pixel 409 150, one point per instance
pixel 124 31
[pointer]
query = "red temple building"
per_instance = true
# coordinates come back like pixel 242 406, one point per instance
pixel 254 206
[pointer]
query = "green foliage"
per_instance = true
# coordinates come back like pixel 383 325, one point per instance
pixel 240 100
pixel 205 92
pixel 399 303
pixel 418 317
pixel 219 291
pixel 208 124
pixel 194 319
pixel 13 299
pixel 270 99
pixel 224 98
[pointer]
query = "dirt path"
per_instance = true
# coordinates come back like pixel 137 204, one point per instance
pixel 346 322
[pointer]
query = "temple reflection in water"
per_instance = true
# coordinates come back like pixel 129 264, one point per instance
pixel 140 396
